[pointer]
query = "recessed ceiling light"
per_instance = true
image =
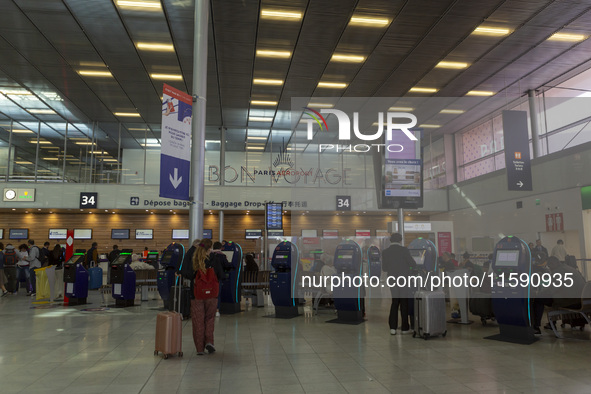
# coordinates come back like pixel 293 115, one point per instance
pixel 570 37
pixel 39 142
pixel 173 77
pixel 263 102
pixel 259 119
pixel 430 126
pixel 369 21
pixel 422 90
pixel 270 53
pixel 127 114
pixel 251 147
pixel 277 14
pixel 480 93
pixel 15 92
pixel 265 81
pixel 93 73
pixel 154 46
pixel 250 137
pixel 42 111
pixel 332 85
pixel 51 158
pixel 147 5
pixel 85 143
pixel 454 65
pixel 110 160
pixel 150 145
pixel 452 111
pixel 22 162
pixel 21 131
pixel 401 109
pixel 347 58
pixel 491 31
pixel 320 105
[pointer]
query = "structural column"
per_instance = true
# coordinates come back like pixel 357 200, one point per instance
pixel 198 123
pixel 401 223
pixel 535 124
pixel 221 219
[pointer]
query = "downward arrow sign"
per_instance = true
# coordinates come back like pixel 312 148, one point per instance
pixel 176 181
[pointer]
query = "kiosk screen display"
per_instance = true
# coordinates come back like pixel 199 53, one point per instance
pixel 418 256
pixel 507 258
pixel 346 254
pixel 281 256
pixel 229 255
pixel 166 257
pixel 72 260
pixel 120 259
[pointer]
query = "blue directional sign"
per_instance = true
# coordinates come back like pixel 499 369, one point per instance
pixel 175 153
pixel 174 177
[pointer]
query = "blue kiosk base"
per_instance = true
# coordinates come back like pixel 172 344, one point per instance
pixel 229 308
pixel 348 317
pixel 286 312
pixel 515 334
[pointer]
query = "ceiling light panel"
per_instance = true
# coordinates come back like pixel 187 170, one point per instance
pixel 417 89
pixel 95 73
pixel 155 46
pixel 41 111
pixel 259 119
pixel 452 111
pixel 263 102
pixel 269 53
pixel 568 37
pixel 480 93
pixel 332 85
pixel 320 105
pixel 339 57
pixel 400 109
pixel 452 65
pixel 369 21
pixel 172 77
pixel 127 114
pixel 282 15
pixel 139 5
pixel 491 31
pixel 265 81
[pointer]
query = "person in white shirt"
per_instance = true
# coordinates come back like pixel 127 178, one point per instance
pixel 559 251
pixel 22 266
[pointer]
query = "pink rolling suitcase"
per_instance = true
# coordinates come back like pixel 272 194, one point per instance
pixel 169 332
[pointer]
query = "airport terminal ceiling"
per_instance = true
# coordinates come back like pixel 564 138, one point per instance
pixel 77 62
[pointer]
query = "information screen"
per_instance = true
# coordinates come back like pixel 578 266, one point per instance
pixel 418 256
pixel 274 216
pixel 208 234
pixel 507 258
pixel 281 256
pixel 180 234
pixel 121 259
pixel 253 234
pixel 82 233
pixel 346 254
pixel 58 233
pixel 121 233
pixel 166 257
pixel 144 234
pixel 73 259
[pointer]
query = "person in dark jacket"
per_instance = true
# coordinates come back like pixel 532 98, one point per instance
pixel 397 261
pixel 251 264
pixel 113 254
pixel 56 257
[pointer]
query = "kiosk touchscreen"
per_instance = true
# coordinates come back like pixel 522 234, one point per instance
pixel 348 298
pixel 152 258
pixel 374 261
pixel 231 289
pixel 424 253
pixel 76 278
pixel 123 279
pixel 511 305
pixel 281 280
pixel 171 258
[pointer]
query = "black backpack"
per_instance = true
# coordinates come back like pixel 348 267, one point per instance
pixel 10 257
pixel 571 261
pixel 44 257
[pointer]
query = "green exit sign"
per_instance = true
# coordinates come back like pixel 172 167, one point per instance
pixel 586 197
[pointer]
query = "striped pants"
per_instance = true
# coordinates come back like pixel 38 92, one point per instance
pixel 203 319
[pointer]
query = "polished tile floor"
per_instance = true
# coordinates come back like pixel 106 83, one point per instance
pixel 67 350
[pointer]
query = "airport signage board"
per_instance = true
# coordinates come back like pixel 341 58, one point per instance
pixel 517 159
pixel 88 200
pixel 207 234
pixel 175 157
pixel 343 203
pixel 330 234
pixel 274 215
pixel 18 233
pixel 1 233
pixel 144 234
pixel 253 234
pixel 58 233
pixel 362 233
pixel 554 222
pixel 275 233
pixel 19 194
pixel 416 227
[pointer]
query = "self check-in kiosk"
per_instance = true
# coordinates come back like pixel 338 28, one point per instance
pixel 171 258
pixel 76 278
pixel 152 258
pixel 317 264
pixel 511 305
pixel 231 292
pixel 374 262
pixel 123 279
pixel 348 297
pixel 285 263
pixel 424 253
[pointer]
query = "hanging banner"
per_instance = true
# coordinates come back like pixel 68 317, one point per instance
pixel 175 156
pixel 443 242
pixel 517 159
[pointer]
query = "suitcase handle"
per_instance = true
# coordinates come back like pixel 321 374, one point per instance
pixel 178 287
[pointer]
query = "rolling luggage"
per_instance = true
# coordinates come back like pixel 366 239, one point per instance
pixel 429 311
pixel 95 278
pixel 481 305
pixel 169 331
pixel 185 300
pixel 12 281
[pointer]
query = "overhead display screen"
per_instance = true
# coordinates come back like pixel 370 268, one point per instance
pixel 253 234
pixel 274 216
pixel 144 234
pixel 180 234
pixel 120 233
pixel 82 233
pixel 58 233
pixel 18 233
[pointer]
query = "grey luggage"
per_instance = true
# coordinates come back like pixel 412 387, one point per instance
pixel 429 314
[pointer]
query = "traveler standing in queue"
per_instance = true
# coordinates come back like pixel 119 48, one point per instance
pixel 22 267
pixel 208 273
pixel 539 247
pixel 2 276
pixel 34 262
pixel 559 251
pixel 113 254
pixel 223 261
pixel 56 257
pixel 398 262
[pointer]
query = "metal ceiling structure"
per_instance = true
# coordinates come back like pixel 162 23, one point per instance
pixel 82 61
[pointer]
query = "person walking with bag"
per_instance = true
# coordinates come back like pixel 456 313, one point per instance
pixel 208 273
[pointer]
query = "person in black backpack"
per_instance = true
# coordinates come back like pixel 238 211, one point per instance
pixel 44 254
pixel 2 276
pixel 34 263
pixel 114 253
pixel 92 255
pixel 10 270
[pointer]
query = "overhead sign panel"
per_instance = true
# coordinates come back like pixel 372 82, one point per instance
pixel 517 158
pixel 175 156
